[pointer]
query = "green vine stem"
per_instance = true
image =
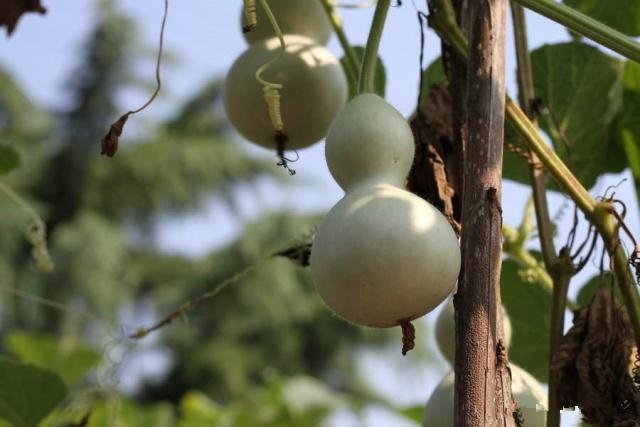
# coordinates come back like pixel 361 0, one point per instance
pixel 368 70
pixel 36 232
pixel 351 63
pixel 560 267
pixel 586 26
pixel 602 217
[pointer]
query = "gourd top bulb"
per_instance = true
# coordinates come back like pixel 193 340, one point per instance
pixel 303 17
pixel 314 90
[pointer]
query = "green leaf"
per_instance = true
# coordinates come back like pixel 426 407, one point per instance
pixel 582 88
pixel 589 289
pixel 414 413
pixel 65 356
pixel 380 82
pixel 629 121
pixel 434 73
pixel 27 393
pixel 528 306
pixel 9 159
pixel 623 15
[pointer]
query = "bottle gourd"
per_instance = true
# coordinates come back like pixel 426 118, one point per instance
pixel 303 17
pixel 526 390
pixel 312 84
pixel 382 256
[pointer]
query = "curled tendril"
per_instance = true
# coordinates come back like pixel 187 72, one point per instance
pixel 37 236
pixel 36 232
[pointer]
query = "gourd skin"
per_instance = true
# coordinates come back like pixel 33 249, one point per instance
pixel 382 255
pixel 315 89
pixel 445 331
pixel 303 17
pixel 525 389
pixel 369 140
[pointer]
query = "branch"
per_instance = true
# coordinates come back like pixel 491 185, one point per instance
pixel 586 26
pixel 601 217
pixel 483 385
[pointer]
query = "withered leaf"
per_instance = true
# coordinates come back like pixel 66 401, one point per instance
pixel 437 162
pixel 12 10
pixel 591 364
pixel 112 138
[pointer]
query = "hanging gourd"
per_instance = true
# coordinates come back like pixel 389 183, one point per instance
pixel 313 90
pixel 525 389
pixel 382 256
pixel 303 17
pixel 445 331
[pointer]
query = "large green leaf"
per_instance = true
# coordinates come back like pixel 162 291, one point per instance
pixel 434 73
pixel 65 356
pixel 9 159
pixel 623 15
pixel 582 88
pixel 589 289
pixel 629 122
pixel 380 82
pixel 27 393
pixel 528 305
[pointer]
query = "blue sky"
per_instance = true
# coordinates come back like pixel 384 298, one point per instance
pixel 204 38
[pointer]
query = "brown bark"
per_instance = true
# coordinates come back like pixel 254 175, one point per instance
pixel 483 382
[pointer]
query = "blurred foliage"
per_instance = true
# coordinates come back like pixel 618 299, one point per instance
pixel 28 393
pixel 247 358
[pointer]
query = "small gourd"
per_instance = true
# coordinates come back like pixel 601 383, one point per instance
pixel 303 17
pixel 382 256
pixel 314 89
pixel 526 390
pixel 445 331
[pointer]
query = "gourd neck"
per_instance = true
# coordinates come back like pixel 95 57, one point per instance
pixel 374 181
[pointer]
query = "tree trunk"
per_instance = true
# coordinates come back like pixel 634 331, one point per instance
pixel 483 382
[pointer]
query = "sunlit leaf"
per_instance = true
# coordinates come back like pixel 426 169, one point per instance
pixel 28 393
pixel 581 87
pixel 629 122
pixel 528 305
pixel 623 15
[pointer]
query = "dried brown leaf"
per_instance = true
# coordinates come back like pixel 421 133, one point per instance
pixel 433 174
pixel 12 10
pixel 591 364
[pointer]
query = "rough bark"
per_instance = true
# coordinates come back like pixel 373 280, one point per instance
pixel 483 381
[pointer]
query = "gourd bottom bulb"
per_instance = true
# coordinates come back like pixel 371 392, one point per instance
pixel 527 392
pixel 383 255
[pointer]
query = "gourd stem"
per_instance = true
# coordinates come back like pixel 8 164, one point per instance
pixel 585 26
pixel 351 61
pixel 571 186
pixel 368 70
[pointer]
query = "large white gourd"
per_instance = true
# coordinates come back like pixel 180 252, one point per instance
pixel 303 17
pixel 382 255
pixel 445 331
pixel 314 90
pixel 526 390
